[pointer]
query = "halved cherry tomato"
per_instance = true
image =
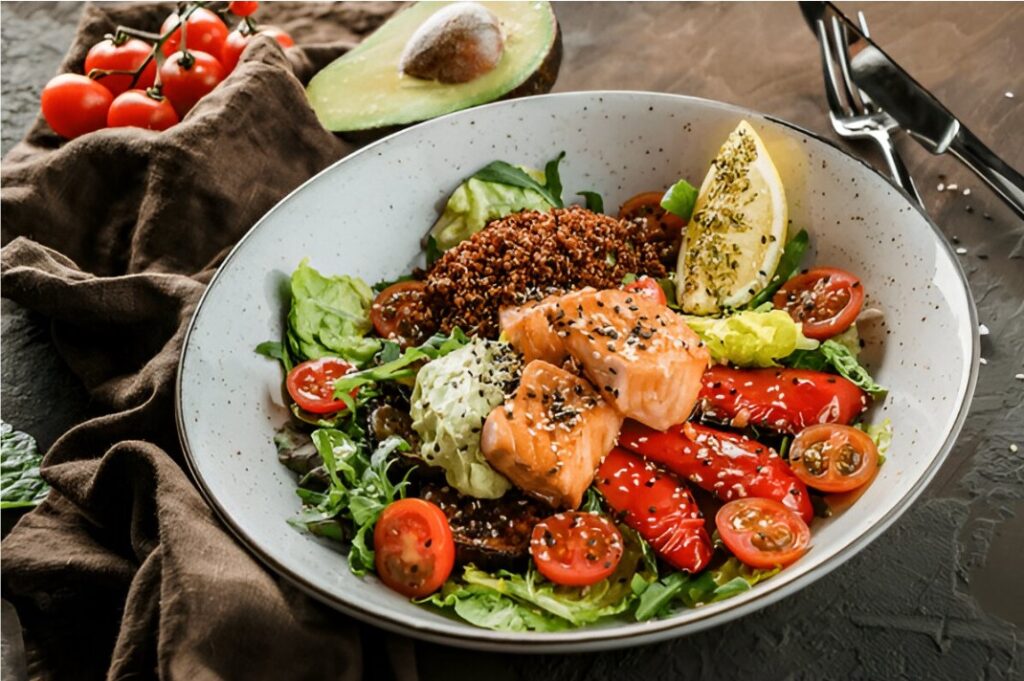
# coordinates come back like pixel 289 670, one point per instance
pixel 648 205
pixel 762 533
pixel 187 79
pixel 74 105
pixel 728 465
pixel 204 31
pixel 826 300
pixel 237 40
pixel 393 312
pixel 576 549
pixel 311 384
pixel 658 506
pixel 127 56
pixel 784 400
pixel 141 109
pixel 414 548
pixel 650 288
pixel 833 458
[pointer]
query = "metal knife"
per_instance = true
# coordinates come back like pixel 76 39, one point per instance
pixel 915 109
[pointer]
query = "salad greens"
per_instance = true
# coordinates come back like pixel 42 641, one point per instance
pixel 789 263
pixel 330 317
pixel 20 483
pixel 680 199
pixel 593 201
pixel 881 434
pixel 358 490
pixel 837 355
pixel 751 338
pixel 496 190
pixel 508 601
pixel 717 584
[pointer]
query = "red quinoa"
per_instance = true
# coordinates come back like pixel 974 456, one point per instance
pixel 530 254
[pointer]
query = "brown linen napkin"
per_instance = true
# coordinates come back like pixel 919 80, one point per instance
pixel 124 571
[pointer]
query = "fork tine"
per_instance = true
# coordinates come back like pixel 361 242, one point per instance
pixel 869 104
pixel 831 86
pixel 841 43
pixel 863 21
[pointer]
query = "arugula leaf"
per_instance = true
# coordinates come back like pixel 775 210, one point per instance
pixel 433 252
pixel 502 172
pixel 275 350
pixel 358 490
pixel 20 483
pixel 592 502
pixel 680 199
pixel 593 200
pixel 712 585
pixel 789 262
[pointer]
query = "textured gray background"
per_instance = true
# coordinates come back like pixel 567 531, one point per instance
pixel 938 596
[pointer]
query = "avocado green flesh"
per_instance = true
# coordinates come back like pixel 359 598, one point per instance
pixel 364 89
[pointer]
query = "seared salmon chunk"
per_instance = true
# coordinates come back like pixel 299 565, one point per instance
pixel 551 435
pixel 527 329
pixel 642 357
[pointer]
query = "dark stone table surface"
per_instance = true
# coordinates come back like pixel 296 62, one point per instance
pixel 940 595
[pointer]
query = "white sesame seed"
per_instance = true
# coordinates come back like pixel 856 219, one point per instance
pixel 982 330
pixel 961 251
pixel 1014 448
pixel 1019 377
pixel 1008 94
pixel 983 360
pixel 941 187
pixel 953 187
pixel 967 191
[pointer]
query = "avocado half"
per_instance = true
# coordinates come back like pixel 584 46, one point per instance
pixel 364 90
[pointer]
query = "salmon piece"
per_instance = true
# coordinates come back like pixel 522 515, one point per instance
pixel 551 435
pixel 527 328
pixel 642 357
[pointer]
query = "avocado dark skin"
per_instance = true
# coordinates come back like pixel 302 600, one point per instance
pixel 541 82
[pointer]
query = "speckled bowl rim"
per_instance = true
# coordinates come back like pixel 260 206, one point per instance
pixel 590 639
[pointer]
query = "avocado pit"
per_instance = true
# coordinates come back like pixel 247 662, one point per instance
pixel 457 44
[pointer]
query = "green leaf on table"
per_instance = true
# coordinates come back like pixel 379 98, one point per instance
pixel 20 483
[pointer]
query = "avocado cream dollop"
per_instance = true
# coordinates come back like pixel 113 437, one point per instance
pixel 452 398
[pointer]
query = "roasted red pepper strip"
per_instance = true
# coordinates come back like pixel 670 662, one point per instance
pixel 656 504
pixel 784 400
pixel 728 465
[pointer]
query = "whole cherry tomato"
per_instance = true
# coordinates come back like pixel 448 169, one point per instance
pixel 237 40
pixel 242 8
pixel 74 105
pixel 204 32
pixel 141 109
pixel 126 56
pixel 186 80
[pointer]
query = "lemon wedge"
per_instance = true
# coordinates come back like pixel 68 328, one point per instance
pixel 735 237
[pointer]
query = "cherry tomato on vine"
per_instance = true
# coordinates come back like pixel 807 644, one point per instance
pixel 204 32
pixel 140 109
pixel 648 288
pixel 187 80
pixel 236 42
pixel 575 548
pixel 762 533
pixel 311 384
pixel 833 458
pixel 413 546
pixel 827 300
pixel 74 105
pixel 128 56
pixel 242 8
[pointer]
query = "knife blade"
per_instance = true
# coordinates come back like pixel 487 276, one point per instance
pixel 914 108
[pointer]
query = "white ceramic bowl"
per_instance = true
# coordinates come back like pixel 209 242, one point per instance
pixel 365 216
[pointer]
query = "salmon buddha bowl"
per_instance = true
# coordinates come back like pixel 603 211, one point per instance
pixel 595 404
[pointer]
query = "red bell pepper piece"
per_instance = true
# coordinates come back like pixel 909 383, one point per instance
pixel 658 505
pixel 728 465
pixel 784 400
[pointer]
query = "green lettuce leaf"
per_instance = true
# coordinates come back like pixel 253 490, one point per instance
pixel 837 356
pixel 330 317
pixel 680 199
pixel 751 338
pixel 507 601
pixel 496 190
pixel 731 578
pixel 20 483
pixel 881 434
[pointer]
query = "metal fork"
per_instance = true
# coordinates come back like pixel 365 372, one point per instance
pixel 851 111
